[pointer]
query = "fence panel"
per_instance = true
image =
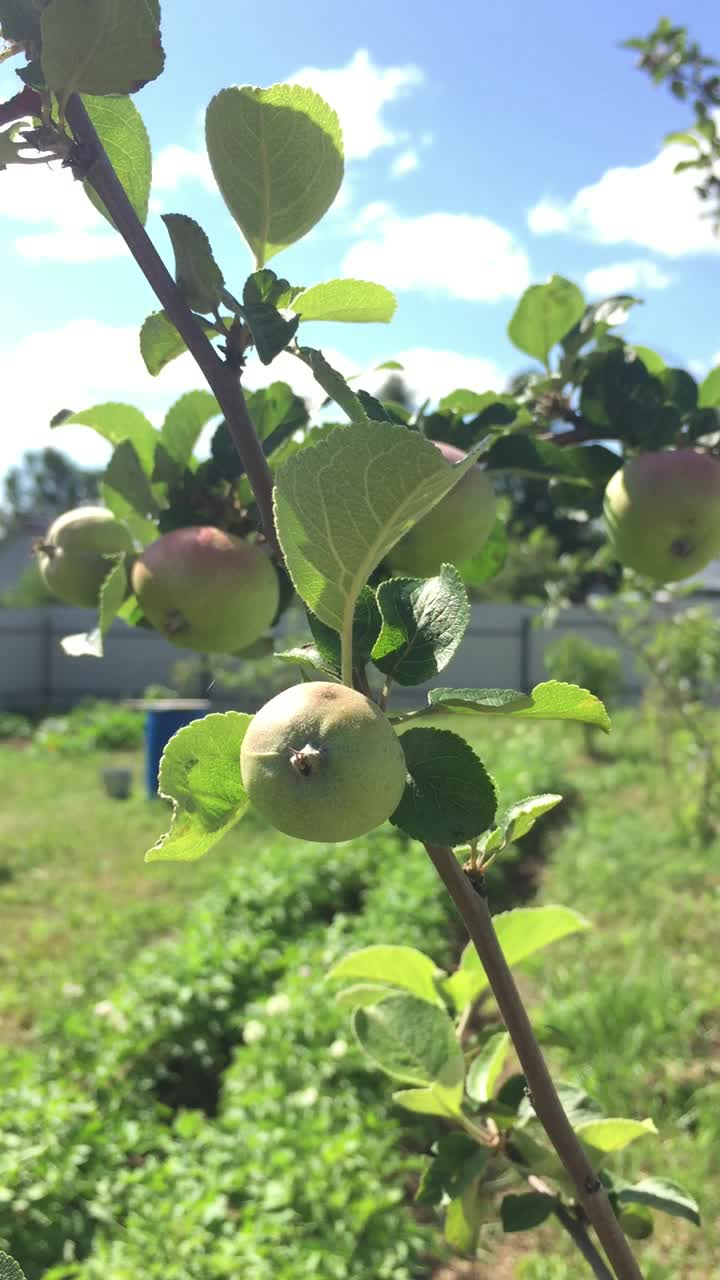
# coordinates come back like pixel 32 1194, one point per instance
pixel 504 648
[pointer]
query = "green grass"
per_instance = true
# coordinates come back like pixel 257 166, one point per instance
pixel 635 999
pixel 76 899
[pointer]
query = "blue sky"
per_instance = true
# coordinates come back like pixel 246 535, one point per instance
pixel 487 147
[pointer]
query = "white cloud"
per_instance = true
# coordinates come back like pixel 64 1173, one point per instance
pixel 622 276
pixel 645 204
pixel 359 92
pixel 463 255
pixel 86 362
pixel 73 367
pixel 48 197
pixel 174 165
pixel 404 163
pixel 430 373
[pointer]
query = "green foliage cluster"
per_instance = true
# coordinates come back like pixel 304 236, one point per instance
pixel 293 1166
pixel 91 726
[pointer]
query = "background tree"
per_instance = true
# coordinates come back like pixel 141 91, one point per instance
pixel 670 57
pixel 45 482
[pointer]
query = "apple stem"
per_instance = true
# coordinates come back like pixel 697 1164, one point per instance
pixel 591 1194
pixel 346 649
pixel 221 378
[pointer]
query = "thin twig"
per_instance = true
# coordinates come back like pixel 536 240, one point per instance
pixel 580 1238
pixel 591 1194
pixel 220 377
pixel 575 1227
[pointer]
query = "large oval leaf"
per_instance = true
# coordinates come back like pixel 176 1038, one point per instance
pixel 100 46
pixel 341 505
pixel 411 1040
pixel 277 157
pixel 120 127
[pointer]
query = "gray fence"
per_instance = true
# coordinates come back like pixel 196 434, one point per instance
pixel 503 649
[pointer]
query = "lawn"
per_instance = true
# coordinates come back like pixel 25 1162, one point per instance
pixel 182 959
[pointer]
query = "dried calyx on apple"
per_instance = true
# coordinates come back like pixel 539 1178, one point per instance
pixel 322 762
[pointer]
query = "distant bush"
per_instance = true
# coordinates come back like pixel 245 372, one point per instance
pixel 684 654
pixel 593 666
pixel 14 726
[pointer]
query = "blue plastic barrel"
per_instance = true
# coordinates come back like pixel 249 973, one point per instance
pixel 162 720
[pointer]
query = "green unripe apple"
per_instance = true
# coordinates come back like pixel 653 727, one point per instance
pixel 455 529
pixel 322 762
pixel 662 513
pixel 72 557
pixel 207 590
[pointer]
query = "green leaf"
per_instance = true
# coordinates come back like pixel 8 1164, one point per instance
pixel 266 286
pixel 100 46
pixel 636 1222
pixel 619 395
pixel 611 1133
pixel 534 1155
pixel 270 331
pixel 120 128
pixel 586 465
pixel 486 563
pixel 366 628
pixel 184 421
pixel 521 933
pixel 126 475
pixel 464 1217
pixel 465 402
pixel 433 1101
pixel 663 1195
pixel 653 362
pixel 277 158
pixel 9 1269
pixel 20 21
pixel 276 409
pixel 143 531
pixel 522 816
pixel 333 383
pixel 544 314
pixel 458 1162
pixel 160 342
pixel 115 423
pixel 112 594
pixel 200 773
pixel 490 701
pixel 361 994
pixel 681 388
pixel 355 301
pixel 709 393
pixel 341 505
pixel 394 966
pixel 423 622
pixel 449 797
pixel 526 1211
pixel 551 700
pixel 411 1040
pixel 485 1069
pixel 197 275
pixel 309 658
